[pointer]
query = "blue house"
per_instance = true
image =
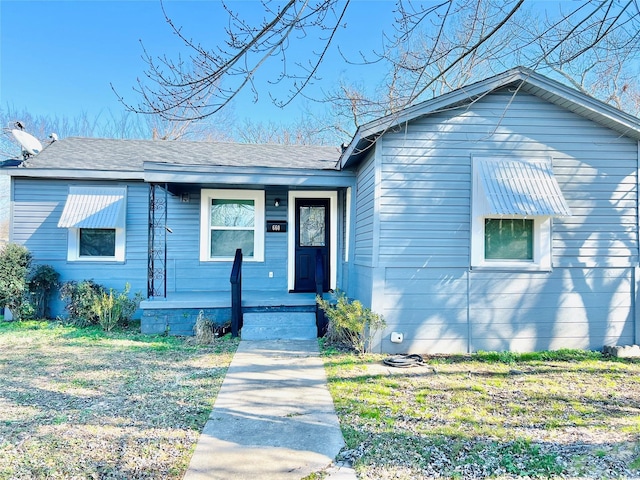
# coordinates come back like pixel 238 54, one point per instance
pixel 500 216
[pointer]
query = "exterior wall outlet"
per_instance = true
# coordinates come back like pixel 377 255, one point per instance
pixel 396 337
pixel 270 274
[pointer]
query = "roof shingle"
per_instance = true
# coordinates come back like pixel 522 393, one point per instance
pixel 129 155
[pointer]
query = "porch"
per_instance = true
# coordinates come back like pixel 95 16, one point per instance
pixel 177 313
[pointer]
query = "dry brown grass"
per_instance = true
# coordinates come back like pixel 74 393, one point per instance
pixel 85 404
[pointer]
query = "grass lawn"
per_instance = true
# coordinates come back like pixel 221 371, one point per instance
pixel 548 415
pixel 80 403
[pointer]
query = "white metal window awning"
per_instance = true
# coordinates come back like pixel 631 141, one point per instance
pixel 521 187
pixel 94 207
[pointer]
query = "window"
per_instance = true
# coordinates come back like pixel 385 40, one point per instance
pixel 232 219
pixel 508 239
pixel 95 218
pixel 514 201
pixel 97 242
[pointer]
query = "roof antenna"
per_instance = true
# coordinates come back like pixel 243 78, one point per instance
pixel 31 146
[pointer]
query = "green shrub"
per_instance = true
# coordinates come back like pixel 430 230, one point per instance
pixel 350 323
pixel 42 282
pixel 15 261
pixel 115 308
pixel 81 298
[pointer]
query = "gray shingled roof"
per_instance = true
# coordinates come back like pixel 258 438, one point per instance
pixel 128 155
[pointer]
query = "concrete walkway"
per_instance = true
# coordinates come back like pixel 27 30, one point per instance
pixel 273 417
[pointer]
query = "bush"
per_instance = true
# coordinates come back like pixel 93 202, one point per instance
pixel 207 331
pixel 81 298
pixel 89 303
pixel 204 329
pixel 350 323
pixel 15 261
pixel 115 308
pixel 42 281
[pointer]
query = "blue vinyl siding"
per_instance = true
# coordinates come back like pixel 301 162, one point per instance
pixel 569 308
pixel 37 206
pixel 424 208
pixel 365 209
pixel 186 273
pixel 429 306
pixel 361 283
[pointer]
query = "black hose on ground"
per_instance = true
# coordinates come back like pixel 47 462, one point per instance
pixel 404 360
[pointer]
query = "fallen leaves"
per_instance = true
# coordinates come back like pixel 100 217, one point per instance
pixel 117 406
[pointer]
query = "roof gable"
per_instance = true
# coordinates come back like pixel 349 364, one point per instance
pixel 522 80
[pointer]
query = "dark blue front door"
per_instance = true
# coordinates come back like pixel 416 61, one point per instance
pixel 311 236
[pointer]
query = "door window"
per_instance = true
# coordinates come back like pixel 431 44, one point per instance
pixel 312 226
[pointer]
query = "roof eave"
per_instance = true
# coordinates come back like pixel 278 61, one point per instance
pixel 155 172
pixel 69 173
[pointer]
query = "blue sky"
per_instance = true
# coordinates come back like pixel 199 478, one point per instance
pixel 58 58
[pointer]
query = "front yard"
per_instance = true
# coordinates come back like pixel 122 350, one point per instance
pixel 554 414
pixel 79 403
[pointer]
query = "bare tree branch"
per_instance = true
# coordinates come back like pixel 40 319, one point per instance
pixel 434 49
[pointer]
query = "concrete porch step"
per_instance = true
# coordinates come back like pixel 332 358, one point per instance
pixel 279 325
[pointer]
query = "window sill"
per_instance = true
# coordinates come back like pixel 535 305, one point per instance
pixel 519 267
pixel 95 260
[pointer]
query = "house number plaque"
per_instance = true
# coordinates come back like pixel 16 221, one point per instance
pixel 276 227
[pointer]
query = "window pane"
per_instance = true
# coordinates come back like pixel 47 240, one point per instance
pixel 312 227
pixel 232 213
pixel 508 239
pixel 225 242
pixel 97 242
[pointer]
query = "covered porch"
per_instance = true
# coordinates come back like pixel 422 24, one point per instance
pixel 289 223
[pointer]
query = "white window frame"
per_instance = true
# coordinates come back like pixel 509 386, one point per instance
pixel 257 196
pixel 73 247
pixel 542 226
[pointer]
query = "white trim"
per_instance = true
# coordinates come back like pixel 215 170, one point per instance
pixel 73 247
pixel 541 245
pixel 347 227
pixel 258 196
pixel 519 186
pixel 480 210
pixel 333 232
pixel 91 198
pixel 94 207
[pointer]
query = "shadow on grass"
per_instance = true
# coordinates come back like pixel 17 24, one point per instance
pixel 462 417
pixel 461 456
pixel 80 403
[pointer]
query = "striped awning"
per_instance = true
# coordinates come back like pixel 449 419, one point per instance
pixel 521 187
pixel 94 207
